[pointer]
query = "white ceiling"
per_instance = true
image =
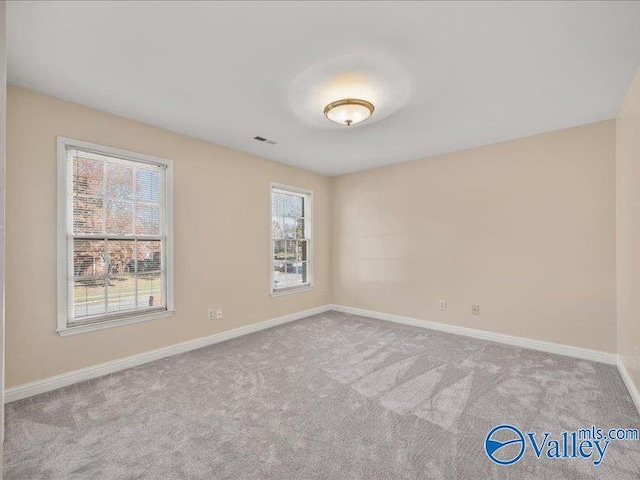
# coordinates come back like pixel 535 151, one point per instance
pixel 443 76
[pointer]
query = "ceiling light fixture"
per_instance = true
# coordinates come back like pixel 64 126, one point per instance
pixel 349 111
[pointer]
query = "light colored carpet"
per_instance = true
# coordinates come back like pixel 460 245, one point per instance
pixel 333 396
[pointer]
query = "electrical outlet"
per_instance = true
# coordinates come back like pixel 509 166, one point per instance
pixel 475 309
pixel 219 314
pixel 211 314
pixel 442 304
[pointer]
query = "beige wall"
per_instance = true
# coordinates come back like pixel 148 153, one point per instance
pixel 525 229
pixel 221 244
pixel 628 216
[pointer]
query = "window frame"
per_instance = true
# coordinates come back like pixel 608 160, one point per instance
pixel 308 228
pixel 64 199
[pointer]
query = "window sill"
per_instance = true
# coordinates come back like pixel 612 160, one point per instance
pixel 91 327
pixel 282 293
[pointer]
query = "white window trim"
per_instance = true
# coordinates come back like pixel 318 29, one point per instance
pixel 63 328
pixel 310 235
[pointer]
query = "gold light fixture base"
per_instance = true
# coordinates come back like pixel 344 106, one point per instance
pixel 349 111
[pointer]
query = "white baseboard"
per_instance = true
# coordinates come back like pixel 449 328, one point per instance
pixel 633 390
pixel 58 381
pixel 569 351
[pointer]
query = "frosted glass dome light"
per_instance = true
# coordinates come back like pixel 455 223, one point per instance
pixel 349 111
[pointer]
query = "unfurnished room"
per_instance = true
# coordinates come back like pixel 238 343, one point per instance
pixel 320 240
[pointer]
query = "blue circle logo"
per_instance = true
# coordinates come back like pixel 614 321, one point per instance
pixel 505 445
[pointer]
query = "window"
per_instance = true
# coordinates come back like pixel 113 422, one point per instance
pixel 114 237
pixel 291 261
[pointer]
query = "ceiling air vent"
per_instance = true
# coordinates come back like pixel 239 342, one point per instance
pixel 264 140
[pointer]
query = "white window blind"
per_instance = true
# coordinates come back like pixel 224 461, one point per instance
pixel 291 228
pixel 115 222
